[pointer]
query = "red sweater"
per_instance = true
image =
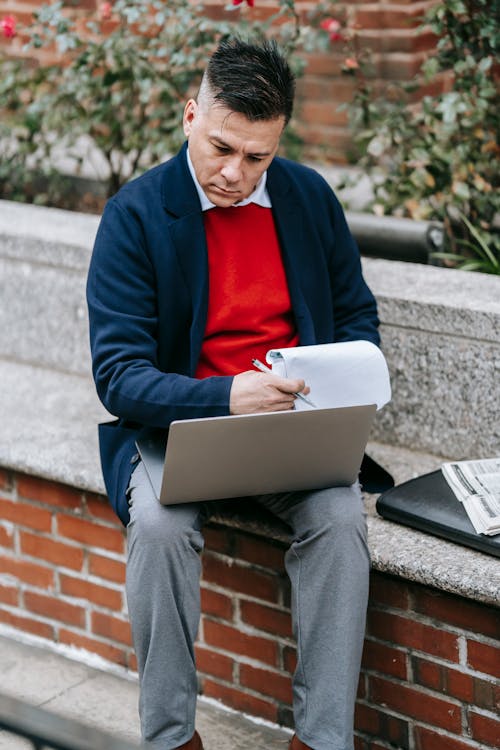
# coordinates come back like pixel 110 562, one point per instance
pixel 249 308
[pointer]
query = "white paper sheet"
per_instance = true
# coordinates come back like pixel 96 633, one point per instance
pixel 349 373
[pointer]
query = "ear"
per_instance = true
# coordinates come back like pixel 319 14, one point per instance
pixel 190 111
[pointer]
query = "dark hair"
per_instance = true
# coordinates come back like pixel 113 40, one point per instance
pixel 252 79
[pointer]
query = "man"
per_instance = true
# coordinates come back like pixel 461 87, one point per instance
pixel 199 265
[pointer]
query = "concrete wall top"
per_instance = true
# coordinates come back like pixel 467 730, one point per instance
pixel 436 299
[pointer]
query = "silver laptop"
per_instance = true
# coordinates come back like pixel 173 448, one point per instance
pixel 254 454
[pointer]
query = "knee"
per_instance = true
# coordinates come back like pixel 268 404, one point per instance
pixel 167 529
pixel 339 511
pixel 154 524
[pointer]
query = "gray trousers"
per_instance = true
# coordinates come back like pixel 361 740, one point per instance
pixel 328 566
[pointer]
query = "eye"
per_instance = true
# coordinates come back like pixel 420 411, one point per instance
pixel 254 158
pixel 221 149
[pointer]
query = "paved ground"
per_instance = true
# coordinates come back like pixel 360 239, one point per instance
pixel 109 702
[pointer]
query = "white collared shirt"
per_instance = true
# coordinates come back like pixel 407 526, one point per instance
pixel 260 195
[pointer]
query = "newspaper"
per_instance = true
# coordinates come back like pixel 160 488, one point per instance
pixel 476 485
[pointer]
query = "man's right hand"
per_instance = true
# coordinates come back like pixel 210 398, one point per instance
pixel 254 392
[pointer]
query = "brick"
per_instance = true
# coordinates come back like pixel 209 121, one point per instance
pixel 234 641
pixel 334 90
pixel 44 548
pixel 269 683
pixel 93 646
pixel 396 40
pixel 457 684
pixel 269 619
pixel 9 595
pixel 321 64
pixel 416 704
pixel 89 533
pixel 103 596
pixel 454 610
pixel 216 604
pixel 381 658
pixel 50 493
pixel 5 480
pixel 384 17
pixel 29 572
pixel 323 113
pixel 362 691
pixel 24 514
pixel 336 138
pixel 214 664
pixel 485 729
pixel 106 567
pixel 290 659
pixel 373 721
pixel 218 539
pixel 27 624
pixel 111 627
pixel 54 608
pixel 403 631
pixel 99 507
pixel 238 578
pixel 132 661
pixel 6 537
pixel 240 700
pixel 398 66
pixel 428 673
pixel 425 739
pixel 391 592
pixel 483 658
pixel 260 552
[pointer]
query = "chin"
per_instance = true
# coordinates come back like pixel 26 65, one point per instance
pixel 223 202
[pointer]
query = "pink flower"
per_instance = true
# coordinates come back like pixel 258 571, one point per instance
pixel 332 26
pixel 250 3
pixel 351 64
pixel 105 11
pixel 8 26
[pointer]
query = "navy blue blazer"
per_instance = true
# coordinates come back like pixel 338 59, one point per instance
pixel 147 295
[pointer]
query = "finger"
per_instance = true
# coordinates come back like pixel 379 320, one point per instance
pixel 283 404
pixel 289 385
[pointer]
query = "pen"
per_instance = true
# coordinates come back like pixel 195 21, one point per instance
pixel 263 368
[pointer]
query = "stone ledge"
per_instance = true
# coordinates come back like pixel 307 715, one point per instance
pixel 53 416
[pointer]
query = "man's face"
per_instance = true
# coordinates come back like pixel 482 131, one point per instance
pixel 229 153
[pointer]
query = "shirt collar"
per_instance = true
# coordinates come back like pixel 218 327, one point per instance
pixel 260 195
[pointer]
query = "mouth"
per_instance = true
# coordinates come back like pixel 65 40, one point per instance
pixel 223 191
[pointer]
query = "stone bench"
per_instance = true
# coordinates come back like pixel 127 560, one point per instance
pixel 429 661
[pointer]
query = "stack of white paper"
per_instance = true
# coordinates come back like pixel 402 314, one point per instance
pixel 349 373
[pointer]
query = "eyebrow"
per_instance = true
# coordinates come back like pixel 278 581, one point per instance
pixel 223 143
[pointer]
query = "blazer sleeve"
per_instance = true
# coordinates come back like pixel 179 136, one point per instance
pixel 124 331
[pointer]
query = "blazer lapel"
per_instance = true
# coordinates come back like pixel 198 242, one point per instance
pixel 288 217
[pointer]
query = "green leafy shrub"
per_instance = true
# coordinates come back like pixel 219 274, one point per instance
pixel 118 92
pixel 438 156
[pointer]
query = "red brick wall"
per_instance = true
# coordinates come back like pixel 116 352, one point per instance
pixel 388 29
pixel 431 660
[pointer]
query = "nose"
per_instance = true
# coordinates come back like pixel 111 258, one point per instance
pixel 231 171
